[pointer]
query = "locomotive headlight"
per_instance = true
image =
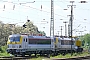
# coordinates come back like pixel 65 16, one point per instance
pixel 76 47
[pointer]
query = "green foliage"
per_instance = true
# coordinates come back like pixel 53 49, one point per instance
pixel 3 49
pixel 85 40
pixel 42 32
pixel 4 54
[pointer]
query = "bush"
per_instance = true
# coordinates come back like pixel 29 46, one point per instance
pixel 3 49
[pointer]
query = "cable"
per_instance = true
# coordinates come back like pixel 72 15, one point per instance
pixel 35 8
pixel 78 2
pixel 8 18
pixel 81 19
pixel 20 14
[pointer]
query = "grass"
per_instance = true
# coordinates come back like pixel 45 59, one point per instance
pixel 4 54
pixel 40 58
pixel 3 51
pixel 61 56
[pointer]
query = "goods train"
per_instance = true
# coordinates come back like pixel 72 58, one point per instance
pixel 19 44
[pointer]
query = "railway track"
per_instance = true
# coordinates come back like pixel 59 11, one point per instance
pixel 25 58
pixel 74 58
pixel 14 58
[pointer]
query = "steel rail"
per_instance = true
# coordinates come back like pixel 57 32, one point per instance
pixel 74 58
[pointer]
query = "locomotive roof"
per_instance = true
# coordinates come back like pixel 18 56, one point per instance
pixel 14 35
pixel 67 39
pixel 40 37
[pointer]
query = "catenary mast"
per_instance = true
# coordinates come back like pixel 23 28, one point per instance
pixel 52 23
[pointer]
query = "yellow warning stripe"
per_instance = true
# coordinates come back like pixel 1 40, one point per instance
pixel 56 40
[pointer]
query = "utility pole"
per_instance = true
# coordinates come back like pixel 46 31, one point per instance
pixel 52 19
pixel 52 24
pixel 71 20
pixel 58 32
pixel 69 31
pixel 61 30
pixel 65 28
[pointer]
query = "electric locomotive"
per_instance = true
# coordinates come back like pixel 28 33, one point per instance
pixel 19 44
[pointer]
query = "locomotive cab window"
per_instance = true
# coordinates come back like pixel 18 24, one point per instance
pixel 14 39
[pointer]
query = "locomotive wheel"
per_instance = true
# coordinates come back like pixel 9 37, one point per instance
pixel 23 55
pixel 41 54
pixel 48 55
pixel 29 55
pixel 55 53
pixel 15 55
pixel 63 54
pixel 36 55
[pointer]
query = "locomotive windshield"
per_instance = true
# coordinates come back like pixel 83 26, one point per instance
pixel 14 39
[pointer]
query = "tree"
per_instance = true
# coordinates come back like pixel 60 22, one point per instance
pixel 6 30
pixel 42 32
pixel 30 28
pixel 85 39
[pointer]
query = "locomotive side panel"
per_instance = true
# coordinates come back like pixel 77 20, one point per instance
pixel 25 42
pixel 39 44
pixel 65 44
